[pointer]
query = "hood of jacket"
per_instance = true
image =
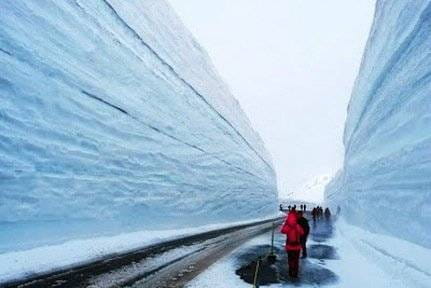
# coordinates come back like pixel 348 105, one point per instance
pixel 292 219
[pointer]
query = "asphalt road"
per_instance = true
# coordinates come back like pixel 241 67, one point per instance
pixel 169 264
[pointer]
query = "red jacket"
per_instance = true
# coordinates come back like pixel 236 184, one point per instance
pixel 293 232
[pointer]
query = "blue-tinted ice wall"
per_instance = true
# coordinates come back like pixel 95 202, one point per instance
pixel 385 184
pixel 112 119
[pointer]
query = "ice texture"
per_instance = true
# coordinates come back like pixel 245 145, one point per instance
pixel 113 119
pixel 385 185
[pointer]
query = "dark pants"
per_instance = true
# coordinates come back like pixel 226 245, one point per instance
pixel 293 260
pixel 304 246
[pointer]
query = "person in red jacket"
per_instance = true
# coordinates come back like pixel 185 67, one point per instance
pixel 293 233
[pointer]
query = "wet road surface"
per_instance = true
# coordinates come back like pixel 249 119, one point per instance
pixel 313 271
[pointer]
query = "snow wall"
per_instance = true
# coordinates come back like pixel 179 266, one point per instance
pixel 113 119
pixel 385 185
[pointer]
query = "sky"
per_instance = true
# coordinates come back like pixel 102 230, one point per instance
pixel 292 65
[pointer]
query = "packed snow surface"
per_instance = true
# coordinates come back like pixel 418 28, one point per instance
pixel 385 185
pixel 114 120
pixel 364 259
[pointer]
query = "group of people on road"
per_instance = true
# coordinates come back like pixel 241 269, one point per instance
pixel 302 207
pixel 318 213
pixel 296 228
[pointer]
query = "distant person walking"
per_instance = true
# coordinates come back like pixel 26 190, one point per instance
pixel 327 214
pixel 305 208
pixel 303 222
pixel 293 233
pixel 314 214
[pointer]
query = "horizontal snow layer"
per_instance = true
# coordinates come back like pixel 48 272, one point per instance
pixel 113 119
pixel 386 181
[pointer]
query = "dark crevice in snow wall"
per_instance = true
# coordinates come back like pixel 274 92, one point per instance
pixel 113 119
pixel 385 184
pixel 163 133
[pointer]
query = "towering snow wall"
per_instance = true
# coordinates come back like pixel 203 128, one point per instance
pixel 112 118
pixel 385 184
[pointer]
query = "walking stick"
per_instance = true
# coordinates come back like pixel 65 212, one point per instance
pixel 256 273
pixel 272 238
pixel 271 257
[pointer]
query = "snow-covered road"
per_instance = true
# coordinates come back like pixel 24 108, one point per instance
pixel 338 257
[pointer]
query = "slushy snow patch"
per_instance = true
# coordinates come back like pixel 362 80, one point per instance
pixel 365 260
